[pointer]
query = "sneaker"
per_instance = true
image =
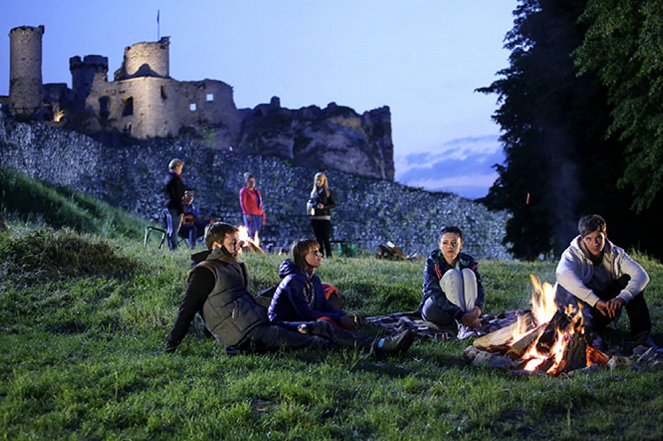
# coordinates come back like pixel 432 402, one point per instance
pixel 644 339
pixel 395 343
pixel 466 331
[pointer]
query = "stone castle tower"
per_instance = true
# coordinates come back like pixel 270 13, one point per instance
pixel 25 82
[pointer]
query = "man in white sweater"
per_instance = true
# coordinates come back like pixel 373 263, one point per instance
pixel 603 279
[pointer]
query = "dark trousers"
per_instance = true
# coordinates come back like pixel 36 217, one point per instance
pixel 193 232
pixel 637 310
pixel 322 229
pixel 321 335
pixel 433 313
pixel 638 313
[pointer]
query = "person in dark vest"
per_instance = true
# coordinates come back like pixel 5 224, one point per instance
pixel 174 204
pixel 218 289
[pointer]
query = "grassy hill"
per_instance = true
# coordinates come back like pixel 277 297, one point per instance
pixel 83 320
pixel 28 200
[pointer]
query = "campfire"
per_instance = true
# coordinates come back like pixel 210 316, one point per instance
pixel 545 338
pixel 248 242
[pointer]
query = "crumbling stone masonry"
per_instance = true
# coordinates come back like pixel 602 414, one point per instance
pixel 143 102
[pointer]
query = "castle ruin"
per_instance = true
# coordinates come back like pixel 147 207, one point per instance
pixel 143 101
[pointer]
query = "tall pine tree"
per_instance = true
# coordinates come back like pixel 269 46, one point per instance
pixel 559 164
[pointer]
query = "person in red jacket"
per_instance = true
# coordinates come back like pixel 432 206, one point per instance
pixel 250 200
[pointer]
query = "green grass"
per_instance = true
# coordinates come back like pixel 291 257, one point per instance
pixel 30 201
pixel 82 316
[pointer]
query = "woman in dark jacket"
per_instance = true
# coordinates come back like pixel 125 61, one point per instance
pixel 453 290
pixel 299 296
pixel 319 208
pixel 174 201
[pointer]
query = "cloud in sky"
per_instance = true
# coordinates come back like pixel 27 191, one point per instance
pixel 463 166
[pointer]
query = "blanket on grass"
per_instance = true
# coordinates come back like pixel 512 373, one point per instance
pixel 400 321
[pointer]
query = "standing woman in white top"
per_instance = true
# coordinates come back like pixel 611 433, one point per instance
pixel 319 208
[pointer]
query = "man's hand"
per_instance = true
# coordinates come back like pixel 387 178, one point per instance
pixel 350 321
pixel 248 217
pixel 471 319
pixel 610 308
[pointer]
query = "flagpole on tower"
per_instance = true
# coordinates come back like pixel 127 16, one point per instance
pixel 158 25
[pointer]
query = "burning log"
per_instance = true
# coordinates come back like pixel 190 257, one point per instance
pixel 253 243
pixel 559 321
pixel 521 346
pixel 500 349
pixel 546 365
pixel 594 356
pixel 575 354
pixel 505 335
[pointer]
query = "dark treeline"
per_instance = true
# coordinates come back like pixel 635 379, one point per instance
pixel 581 135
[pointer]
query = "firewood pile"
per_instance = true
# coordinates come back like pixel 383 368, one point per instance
pixel 553 348
pixel 392 252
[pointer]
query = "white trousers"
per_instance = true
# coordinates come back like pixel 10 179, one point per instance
pixel 460 288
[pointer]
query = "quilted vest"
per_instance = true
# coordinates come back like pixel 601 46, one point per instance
pixel 230 311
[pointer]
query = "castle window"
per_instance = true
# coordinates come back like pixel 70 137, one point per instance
pixel 163 92
pixel 104 102
pixel 128 106
pixel 192 107
pixel 210 97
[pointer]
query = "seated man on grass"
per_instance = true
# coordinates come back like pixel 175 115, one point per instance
pixel 603 279
pixel 193 228
pixel 218 289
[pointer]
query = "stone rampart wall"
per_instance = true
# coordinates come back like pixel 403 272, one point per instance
pixel 370 211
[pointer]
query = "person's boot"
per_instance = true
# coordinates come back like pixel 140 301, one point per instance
pixel 644 339
pixel 400 342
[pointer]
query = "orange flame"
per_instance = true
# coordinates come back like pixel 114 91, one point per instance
pixel 542 300
pixel 246 241
pixel 543 307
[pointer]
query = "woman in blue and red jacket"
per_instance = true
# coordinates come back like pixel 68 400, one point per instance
pixel 300 297
pixel 453 290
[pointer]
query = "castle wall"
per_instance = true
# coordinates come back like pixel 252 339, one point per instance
pixel 369 211
pixel 57 99
pixel 207 108
pixel 140 107
pixel 25 81
pixel 83 74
